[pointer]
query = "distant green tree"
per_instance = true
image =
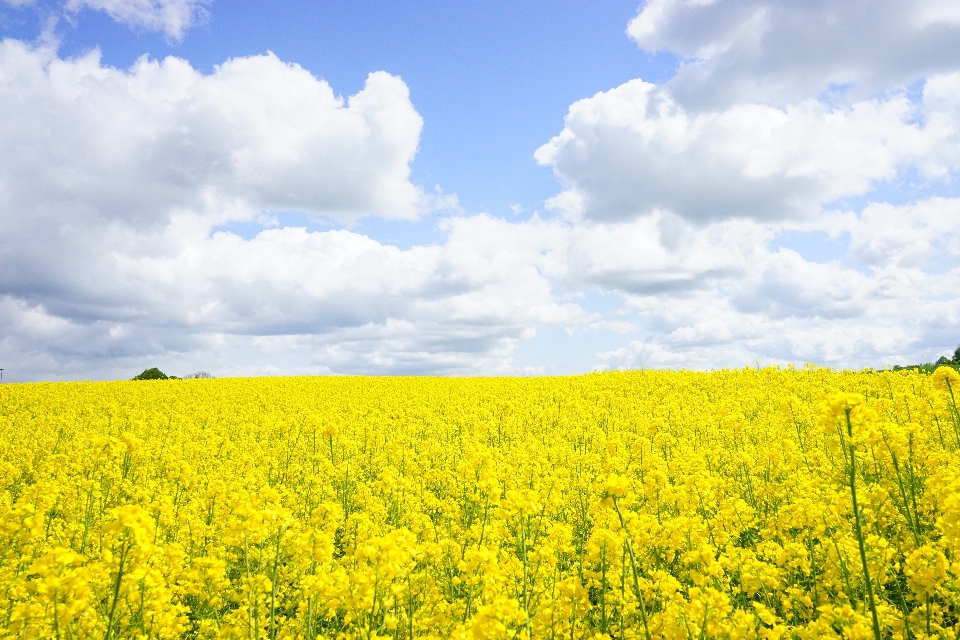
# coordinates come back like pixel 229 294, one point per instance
pixel 944 360
pixel 151 374
pixel 956 356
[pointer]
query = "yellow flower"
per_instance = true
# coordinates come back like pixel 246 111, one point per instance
pixel 945 378
pixel 926 571
pixel 836 405
pixel 616 485
pixel 481 507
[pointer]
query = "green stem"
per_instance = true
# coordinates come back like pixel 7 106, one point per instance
pixel 116 593
pixel 56 618
pixel 859 530
pixel 526 599
pixel 273 588
pixel 955 415
pixel 633 568
pixel 603 588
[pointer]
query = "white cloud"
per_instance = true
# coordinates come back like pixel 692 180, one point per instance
pixel 633 150
pixel 107 174
pixel 113 185
pixel 117 188
pixel 917 237
pixel 729 340
pixel 679 195
pixel 134 145
pixel 172 17
pixel 289 299
pixel 658 255
pixel 785 52
pixel 892 297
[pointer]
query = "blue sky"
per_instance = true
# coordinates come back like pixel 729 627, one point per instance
pixel 518 188
pixel 492 80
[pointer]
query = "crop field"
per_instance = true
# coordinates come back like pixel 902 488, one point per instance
pixel 773 503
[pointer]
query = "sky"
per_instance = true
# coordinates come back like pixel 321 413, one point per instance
pixel 456 188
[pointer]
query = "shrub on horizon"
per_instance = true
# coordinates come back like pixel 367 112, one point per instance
pixel 152 374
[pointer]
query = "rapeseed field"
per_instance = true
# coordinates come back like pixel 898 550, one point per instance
pixel 773 503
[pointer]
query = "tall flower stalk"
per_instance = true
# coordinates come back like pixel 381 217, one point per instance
pixel 859 527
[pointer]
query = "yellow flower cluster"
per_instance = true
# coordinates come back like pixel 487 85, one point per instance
pixel 774 503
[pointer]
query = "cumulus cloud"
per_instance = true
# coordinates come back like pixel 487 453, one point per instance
pixel 782 53
pixel 633 150
pixel 133 145
pixel 181 294
pixel 171 17
pixel 292 300
pixel 113 185
pixel 891 296
pixel 920 236
pixel 105 169
pixel 678 195
pixel 118 189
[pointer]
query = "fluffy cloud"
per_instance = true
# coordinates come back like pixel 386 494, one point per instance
pixel 891 296
pixel 113 185
pixel 289 299
pixel 920 237
pixel 679 194
pixel 633 150
pixel 133 145
pixel 697 204
pixel 172 17
pixel 785 52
